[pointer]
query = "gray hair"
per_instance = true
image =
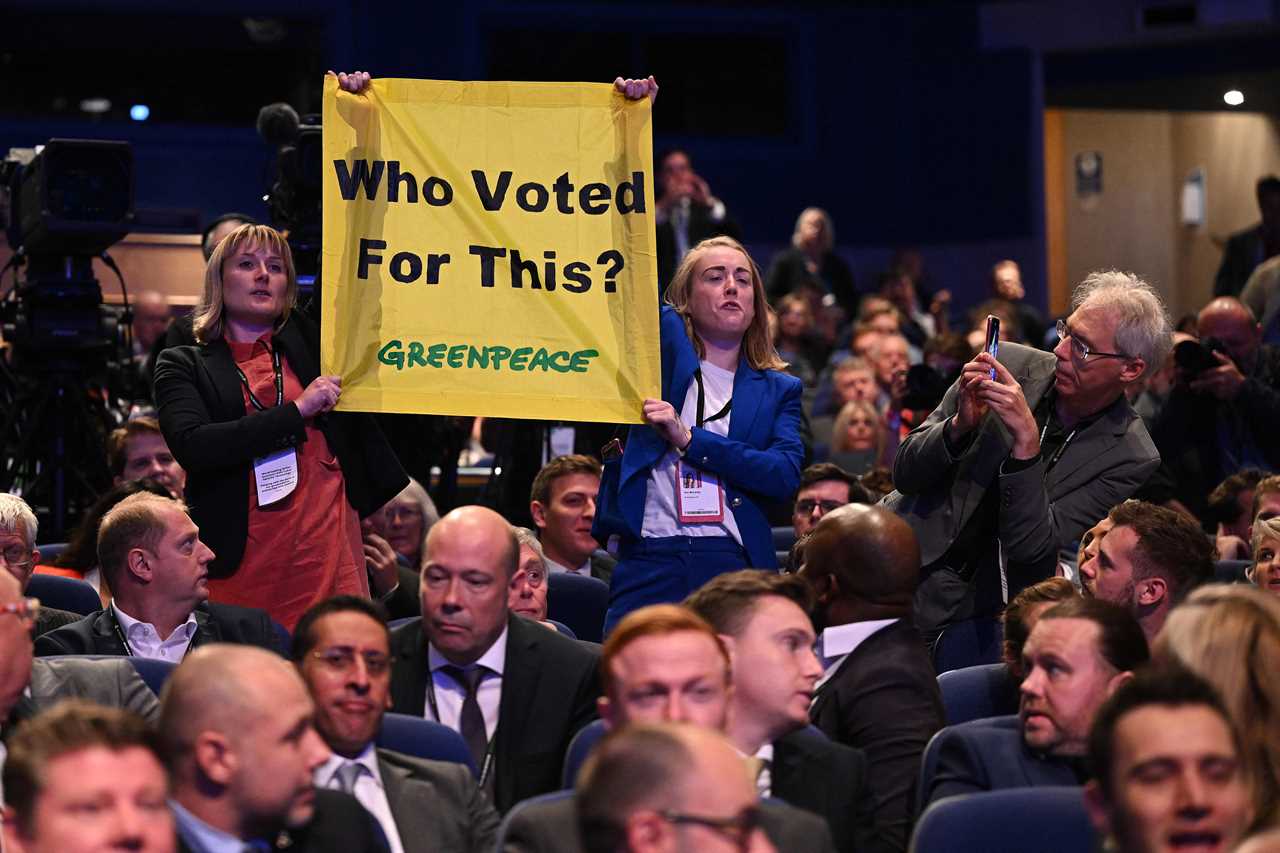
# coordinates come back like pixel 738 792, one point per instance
pixel 526 538
pixel 17 517
pixel 1143 329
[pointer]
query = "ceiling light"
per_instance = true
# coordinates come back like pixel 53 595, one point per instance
pixel 139 112
pixel 1234 98
pixel 95 105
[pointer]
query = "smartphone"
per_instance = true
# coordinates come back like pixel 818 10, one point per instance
pixel 993 338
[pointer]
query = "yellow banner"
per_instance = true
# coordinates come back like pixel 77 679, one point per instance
pixel 489 250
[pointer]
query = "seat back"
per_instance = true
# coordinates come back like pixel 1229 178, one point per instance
pixel 153 671
pixel 424 739
pixel 579 602
pixel 977 691
pixel 970 642
pixel 1004 821
pixel 64 593
pixel 51 551
pixel 1231 571
pixel 579 748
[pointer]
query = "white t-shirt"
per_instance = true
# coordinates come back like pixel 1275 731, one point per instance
pixel 660 515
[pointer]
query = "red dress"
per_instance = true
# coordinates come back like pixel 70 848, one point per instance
pixel 306 546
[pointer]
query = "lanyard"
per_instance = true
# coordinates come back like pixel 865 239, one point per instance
pixel 697 375
pixel 1062 448
pixel 279 374
pixel 487 764
pixel 128 650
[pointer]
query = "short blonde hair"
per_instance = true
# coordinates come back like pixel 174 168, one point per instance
pixel 207 319
pixel 757 343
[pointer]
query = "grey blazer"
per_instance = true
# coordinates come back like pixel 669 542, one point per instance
pixel 114 683
pixel 1040 511
pixel 437 806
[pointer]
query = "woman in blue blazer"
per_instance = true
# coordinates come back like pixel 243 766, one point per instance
pixel 686 495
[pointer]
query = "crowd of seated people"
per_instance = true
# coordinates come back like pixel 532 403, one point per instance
pixel 348 668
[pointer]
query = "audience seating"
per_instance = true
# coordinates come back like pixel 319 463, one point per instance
pixel 977 691
pixel 1231 571
pixel 929 758
pixel 424 739
pixel 581 745
pixel 518 808
pixel 971 642
pixel 50 551
pixel 579 602
pixel 64 593
pixel 152 671
pixel 1004 821
pixel 563 629
pixel 783 540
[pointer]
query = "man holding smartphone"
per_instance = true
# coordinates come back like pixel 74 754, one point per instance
pixel 1026 452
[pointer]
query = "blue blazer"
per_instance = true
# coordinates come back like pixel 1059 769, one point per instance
pixel 759 461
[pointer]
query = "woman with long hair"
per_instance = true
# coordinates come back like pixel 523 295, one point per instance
pixel 686 495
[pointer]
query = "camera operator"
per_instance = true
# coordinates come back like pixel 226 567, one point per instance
pixel 1222 413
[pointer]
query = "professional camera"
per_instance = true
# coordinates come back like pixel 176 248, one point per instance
pixel 925 388
pixel 295 194
pixel 1195 357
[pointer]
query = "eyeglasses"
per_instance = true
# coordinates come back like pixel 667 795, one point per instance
pixel 408 513
pixel 343 659
pixel 1080 349
pixel 26 609
pixel 18 556
pixel 535 577
pixel 736 829
pixel 805 506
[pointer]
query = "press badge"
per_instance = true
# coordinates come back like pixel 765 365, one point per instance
pixel 276 475
pixel 699 496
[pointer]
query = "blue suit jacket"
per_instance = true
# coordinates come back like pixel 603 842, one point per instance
pixel 982 756
pixel 758 461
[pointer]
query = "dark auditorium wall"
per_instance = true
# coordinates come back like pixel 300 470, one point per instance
pixel 893 119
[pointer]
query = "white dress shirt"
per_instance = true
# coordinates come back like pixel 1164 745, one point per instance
pixel 369 790
pixel 450 694
pixel 144 642
pixel 553 567
pixel 839 641
pixel 764 779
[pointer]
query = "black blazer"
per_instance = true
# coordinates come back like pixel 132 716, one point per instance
pixel 437 805
pixel 701 227
pixel 95 634
pixel 788 273
pixel 203 417
pixel 884 700
pixel 977 756
pixel 828 779
pixel 549 691
pixel 340 825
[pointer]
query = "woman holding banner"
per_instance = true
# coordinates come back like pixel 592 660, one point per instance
pixel 686 496
pixel 275 481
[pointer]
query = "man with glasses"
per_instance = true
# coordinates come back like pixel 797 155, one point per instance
pixel 342 649
pixel 18 551
pixel 1029 449
pixel 158 570
pixel 823 487
pixel 527 594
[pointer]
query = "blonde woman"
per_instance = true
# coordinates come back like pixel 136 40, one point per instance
pixel 1265 571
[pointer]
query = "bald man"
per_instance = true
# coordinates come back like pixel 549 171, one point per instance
pixel 517 692
pixel 1222 419
pixel 878 691
pixel 237 728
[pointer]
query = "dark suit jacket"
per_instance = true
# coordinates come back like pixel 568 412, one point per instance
pixel 602 565
pixel 977 756
pixel 437 805
pixel 95 634
pixel 549 691
pixel 789 273
pixel 51 618
pixel 405 601
pixel 1240 257
pixel 553 828
pixel 701 227
pixel 202 414
pixel 828 779
pixel 884 701
pixel 1039 512
pixel 340 825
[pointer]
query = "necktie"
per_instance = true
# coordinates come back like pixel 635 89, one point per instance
pixel 471 722
pixel 348 774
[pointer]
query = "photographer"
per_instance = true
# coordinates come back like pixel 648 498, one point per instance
pixel 1222 413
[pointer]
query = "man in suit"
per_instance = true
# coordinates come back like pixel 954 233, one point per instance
pixel 28 686
pixel 1250 247
pixel 1150 559
pixel 18 526
pixel 1173 721
pixel 878 692
pixel 343 650
pixel 1079 652
pixel 157 568
pixel 78 754
pixel 562 503
pixel 237 730
pixel 517 692
pixel 763 620
pixel 663 664
pixel 687 213
pixel 1025 453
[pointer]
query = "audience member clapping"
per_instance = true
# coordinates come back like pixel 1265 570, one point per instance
pixel 1230 636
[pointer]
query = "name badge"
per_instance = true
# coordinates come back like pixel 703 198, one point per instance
pixel 276 475
pixel 699 496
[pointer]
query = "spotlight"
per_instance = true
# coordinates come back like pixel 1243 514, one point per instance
pixel 1234 98
pixel 139 112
